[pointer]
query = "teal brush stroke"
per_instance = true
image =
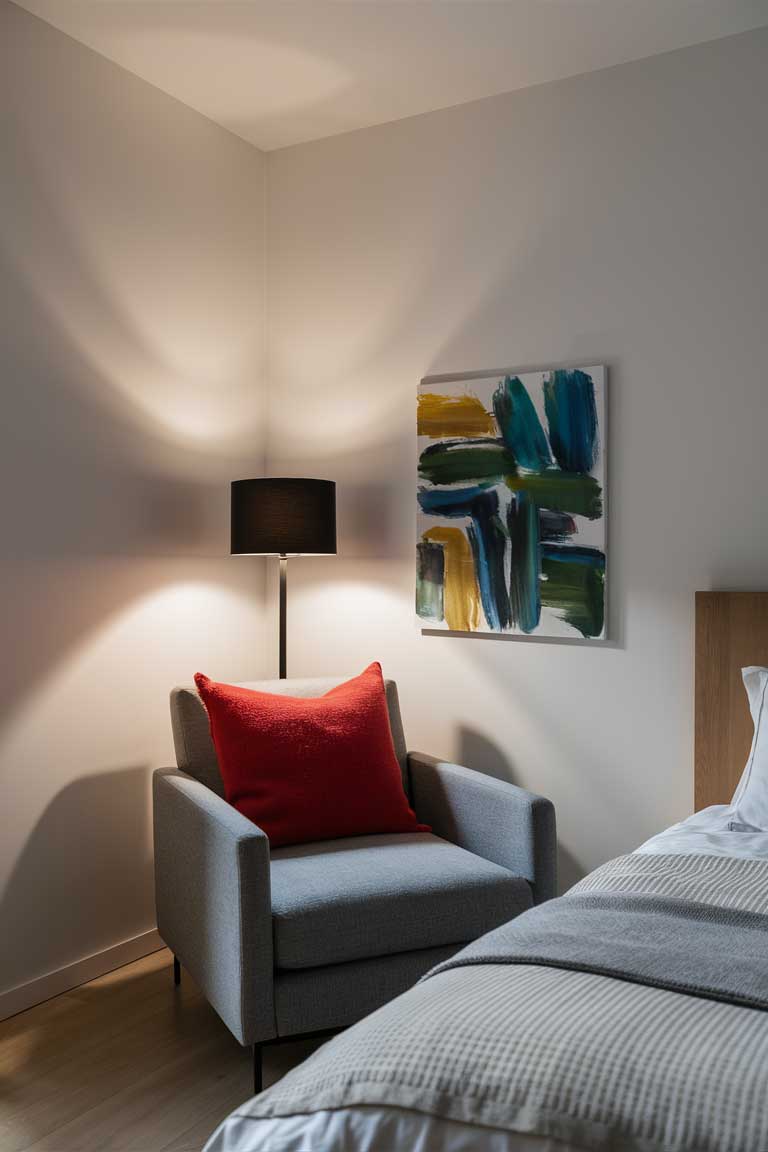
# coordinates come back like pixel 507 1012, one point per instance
pixel 519 425
pixel 569 402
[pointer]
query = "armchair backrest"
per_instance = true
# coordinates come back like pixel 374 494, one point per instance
pixel 196 755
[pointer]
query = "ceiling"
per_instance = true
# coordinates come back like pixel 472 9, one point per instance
pixel 280 72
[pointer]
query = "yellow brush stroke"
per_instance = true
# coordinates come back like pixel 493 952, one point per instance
pixel 461 594
pixel 453 416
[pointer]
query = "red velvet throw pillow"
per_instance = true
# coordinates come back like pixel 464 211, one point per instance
pixel 310 768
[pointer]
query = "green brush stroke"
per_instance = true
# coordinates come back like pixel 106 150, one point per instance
pixel 524 582
pixel 519 425
pixel 577 591
pixel 562 492
pixel 430 580
pixel 462 462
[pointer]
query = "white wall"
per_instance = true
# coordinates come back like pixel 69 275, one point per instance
pixel 131 384
pixel 618 217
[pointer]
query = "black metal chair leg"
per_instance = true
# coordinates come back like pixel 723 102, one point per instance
pixel 257 1072
pixel 176 972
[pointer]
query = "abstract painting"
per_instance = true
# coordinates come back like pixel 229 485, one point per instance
pixel 511 503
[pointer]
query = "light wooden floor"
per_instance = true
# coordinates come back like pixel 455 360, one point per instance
pixel 126 1062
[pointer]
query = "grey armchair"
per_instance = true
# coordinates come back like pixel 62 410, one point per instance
pixel 308 939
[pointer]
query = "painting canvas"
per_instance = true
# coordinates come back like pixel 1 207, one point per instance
pixel 511 503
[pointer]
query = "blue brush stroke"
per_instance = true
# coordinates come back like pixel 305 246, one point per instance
pixel 488 542
pixel 525 575
pixel 519 425
pixel 442 501
pixel 592 557
pixel 487 539
pixel 569 402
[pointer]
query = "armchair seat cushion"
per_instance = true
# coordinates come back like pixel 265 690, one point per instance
pixel 342 900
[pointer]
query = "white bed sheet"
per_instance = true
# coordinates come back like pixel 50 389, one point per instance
pixel 366 1129
pixel 709 833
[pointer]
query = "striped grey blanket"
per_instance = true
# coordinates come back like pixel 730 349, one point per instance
pixel 602 1062
pixel 664 941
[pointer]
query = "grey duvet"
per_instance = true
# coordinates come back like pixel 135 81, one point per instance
pixel 629 1014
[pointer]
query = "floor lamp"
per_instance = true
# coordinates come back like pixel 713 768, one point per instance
pixel 283 517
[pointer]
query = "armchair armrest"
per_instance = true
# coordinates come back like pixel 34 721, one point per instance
pixel 212 889
pixel 494 819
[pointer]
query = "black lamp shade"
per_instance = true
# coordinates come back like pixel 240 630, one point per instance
pixel 283 516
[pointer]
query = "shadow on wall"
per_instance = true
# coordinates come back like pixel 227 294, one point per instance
pixel 483 755
pixel 88 858
pixel 476 751
pixel 569 871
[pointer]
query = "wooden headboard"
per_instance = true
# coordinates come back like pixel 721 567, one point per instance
pixel 731 633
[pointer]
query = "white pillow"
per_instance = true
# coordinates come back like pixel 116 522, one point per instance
pixel 750 800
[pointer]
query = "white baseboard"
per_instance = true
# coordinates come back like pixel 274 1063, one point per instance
pixel 25 996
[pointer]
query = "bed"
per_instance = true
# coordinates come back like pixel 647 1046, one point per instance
pixel 632 1013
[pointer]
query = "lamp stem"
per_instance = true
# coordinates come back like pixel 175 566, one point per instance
pixel 283 613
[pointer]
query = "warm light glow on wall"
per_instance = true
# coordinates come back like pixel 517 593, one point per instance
pixel 125 658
